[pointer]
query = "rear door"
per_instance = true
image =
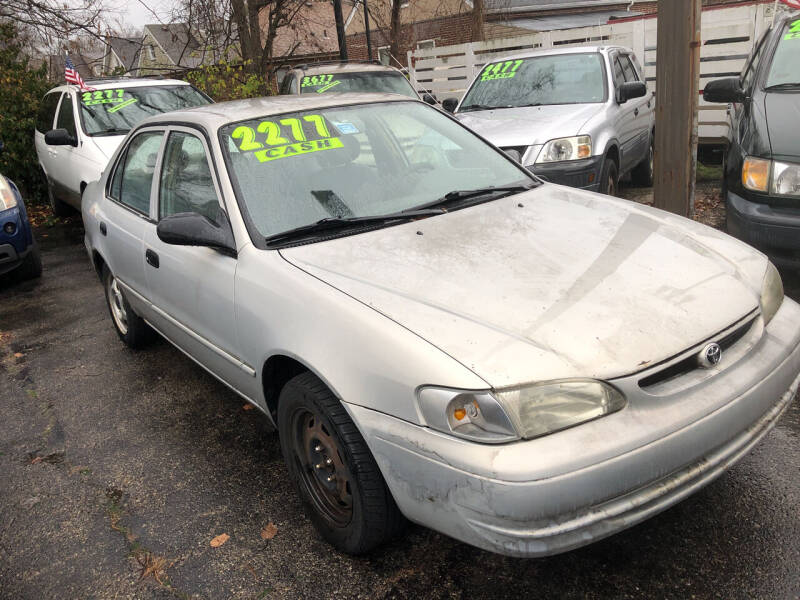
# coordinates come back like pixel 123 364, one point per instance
pixel 125 214
pixel 191 287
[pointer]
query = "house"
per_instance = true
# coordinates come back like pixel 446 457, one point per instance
pixel 168 48
pixel 122 56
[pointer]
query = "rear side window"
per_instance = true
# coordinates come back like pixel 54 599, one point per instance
pixel 133 177
pixel 47 112
pixel 186 183
pixel 66 116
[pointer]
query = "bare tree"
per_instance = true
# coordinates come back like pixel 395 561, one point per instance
pixel 51 23
pixel 478 14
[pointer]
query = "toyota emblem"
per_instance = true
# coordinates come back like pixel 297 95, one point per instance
pixel 710 355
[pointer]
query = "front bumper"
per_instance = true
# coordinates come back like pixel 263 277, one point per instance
pixel 565 490
pixel 775 230
pixel 583 174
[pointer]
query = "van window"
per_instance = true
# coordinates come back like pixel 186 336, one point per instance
pixel 47 112
pixel 66 116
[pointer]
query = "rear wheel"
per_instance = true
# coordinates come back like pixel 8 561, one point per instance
pixel 609 178
pixel 642 174
pixel 59 208
pixel 339 482
pixel 130 327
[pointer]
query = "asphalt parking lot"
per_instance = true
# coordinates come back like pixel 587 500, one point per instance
pixel 118 468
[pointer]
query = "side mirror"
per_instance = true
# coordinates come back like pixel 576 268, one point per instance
pixel 630 90
pixel 193 229
pixel 450 104
pixel 514 155
pixel 59 137
pixel 724 91
pixel 429 98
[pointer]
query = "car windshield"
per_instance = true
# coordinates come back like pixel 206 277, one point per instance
pixel 785 68
pixel 296 169
pixel 115 111
pixel 559 79
pixel 368 81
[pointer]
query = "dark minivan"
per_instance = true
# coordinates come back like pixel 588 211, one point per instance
pixel 761 181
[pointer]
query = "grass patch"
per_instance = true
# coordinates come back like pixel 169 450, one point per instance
pixel 708 172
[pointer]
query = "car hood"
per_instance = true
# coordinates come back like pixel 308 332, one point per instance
pixel 529 126
pixel 549 284
pixel 107 144
pixel 783 114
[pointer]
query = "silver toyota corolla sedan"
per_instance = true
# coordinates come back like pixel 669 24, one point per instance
pixel 436 334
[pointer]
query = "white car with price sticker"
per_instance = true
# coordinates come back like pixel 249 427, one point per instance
pixel 78 131
pixel 436 334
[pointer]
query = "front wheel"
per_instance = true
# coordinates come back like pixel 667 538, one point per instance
pixel 59 208
pixel 31 266
pixel 338 480
pixel 130 327
pixel 609 178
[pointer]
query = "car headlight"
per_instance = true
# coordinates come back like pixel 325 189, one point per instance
pixel 7 197
pixel 755 174
pixel 785 179
pixel 570 148
pixel 771 293
pixel 525 412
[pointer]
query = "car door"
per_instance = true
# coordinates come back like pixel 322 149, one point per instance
pixel 645 117
pixel 192 287
pixel 63 171
pixel 624 119
pixel 125 214
pixel 45 120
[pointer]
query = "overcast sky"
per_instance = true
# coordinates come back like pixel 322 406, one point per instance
pixel 136 13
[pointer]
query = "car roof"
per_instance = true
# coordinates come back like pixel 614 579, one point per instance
pixel 104 84
pixel 554 51
pixel 338 67
pixel 213 116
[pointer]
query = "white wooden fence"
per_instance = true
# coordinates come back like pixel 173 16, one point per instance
pixel 728 36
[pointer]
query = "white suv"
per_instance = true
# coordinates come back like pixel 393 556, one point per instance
pixel 77 131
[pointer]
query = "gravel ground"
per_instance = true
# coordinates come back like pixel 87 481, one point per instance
pixel 118 468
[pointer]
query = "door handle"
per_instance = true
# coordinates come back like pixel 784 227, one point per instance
pixel 636 112
pixel 151 258
pixel 103 229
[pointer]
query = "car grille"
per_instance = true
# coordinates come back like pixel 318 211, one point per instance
pixel 666 378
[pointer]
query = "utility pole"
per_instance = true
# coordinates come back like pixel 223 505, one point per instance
pixel 677 98
pixel 366 30
pixel 337 15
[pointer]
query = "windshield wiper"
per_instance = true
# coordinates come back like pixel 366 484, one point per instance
pixel 112 131
pixel 782 86
pixel 482 107
pixel 488 193
pixel 343 223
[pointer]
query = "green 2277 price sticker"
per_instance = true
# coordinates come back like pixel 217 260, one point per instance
pixel 276 146
pixel 503 70
pixel 794 31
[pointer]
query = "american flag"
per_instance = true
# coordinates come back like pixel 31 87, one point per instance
pixel 72 76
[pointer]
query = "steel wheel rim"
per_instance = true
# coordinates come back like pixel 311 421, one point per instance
pixel 611 186
pixel 117 304
pixel 323 472
pixel 652 160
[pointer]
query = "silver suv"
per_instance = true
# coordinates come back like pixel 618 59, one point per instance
pixel 576 116
pixel 352 76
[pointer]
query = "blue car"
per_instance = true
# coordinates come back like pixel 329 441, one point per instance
pixel 18 248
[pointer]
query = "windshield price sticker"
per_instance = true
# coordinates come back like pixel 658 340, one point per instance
pixel 104 97
pixel 794 31
pixel 501 70
pixel 324 82
pixel 272 145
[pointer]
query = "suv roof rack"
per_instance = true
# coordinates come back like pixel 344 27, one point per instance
pixel 122 78
pixel 338 62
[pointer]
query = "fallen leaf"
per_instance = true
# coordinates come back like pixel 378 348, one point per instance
pixel 247 407
pixel 219 540
pixel 18 355
pixel 269 532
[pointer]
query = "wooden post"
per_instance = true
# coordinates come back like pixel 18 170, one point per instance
pixel 677 98
pixel 337 16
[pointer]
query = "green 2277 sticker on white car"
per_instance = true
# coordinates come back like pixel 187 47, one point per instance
pixel 310 134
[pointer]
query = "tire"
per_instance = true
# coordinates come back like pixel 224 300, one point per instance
pixel 130 327
pixel 609 178
pixel 342 489
pixel 59 208
pixel 642 173
pixel 31 267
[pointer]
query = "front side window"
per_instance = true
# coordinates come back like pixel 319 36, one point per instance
pixel 785 68
pixel 295 169
pixel 627 68
pixel 186 183
pixel 116 111
pixel 752 65
pixel 66 116
pixel 368 81
pixel 47 112
pixel 133 177
pixel 540 80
